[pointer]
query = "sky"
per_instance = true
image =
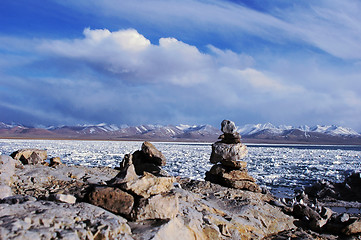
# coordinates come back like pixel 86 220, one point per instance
pixel 180 62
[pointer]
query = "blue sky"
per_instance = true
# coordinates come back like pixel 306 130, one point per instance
pixel 170 62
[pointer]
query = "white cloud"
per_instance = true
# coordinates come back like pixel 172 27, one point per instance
pixel 330 25
pixel 134 58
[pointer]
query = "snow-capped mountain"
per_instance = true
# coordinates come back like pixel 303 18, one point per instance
pixel 257 133
pixel 252 129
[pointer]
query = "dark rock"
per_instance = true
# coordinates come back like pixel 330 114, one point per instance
pixel 230 173
pixel 33 159
pixel 16 199
pixel 230 138
pixel 153 155
pixel 342 218
pixel 55 161
pixel 353 228
pixel 112 199
pixel 312 218
pixel 238 184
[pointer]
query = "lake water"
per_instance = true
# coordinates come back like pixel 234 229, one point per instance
pixel 281 168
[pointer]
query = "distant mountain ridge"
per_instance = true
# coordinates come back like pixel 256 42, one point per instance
pixel 251 133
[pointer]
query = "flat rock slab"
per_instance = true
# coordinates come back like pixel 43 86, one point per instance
pixel 161 206
pixel 149 185
pixel 41 181
pixel 51 220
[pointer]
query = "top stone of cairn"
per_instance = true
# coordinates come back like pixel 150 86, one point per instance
pixel 228 126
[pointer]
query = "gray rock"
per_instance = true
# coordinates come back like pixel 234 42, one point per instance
pixel 65 198
pixel 7 169
pixel 5 191
pixel 161 206
pixel 223 151
pixel 149 185
pixel 52 220
pixel 30 156
pixel 228 126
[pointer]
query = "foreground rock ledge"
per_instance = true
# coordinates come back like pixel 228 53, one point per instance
pixel 195 210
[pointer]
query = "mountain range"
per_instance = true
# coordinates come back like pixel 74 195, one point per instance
pixel 251 133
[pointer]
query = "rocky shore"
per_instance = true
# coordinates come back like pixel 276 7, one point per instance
pixel 41 198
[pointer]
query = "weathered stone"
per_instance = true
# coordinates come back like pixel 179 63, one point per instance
pixel 149 185
pixel 16 199
pixel 353 228
pixel 231 174
pixel 54 220
pixel 112 199
pixel 65 198
pixel 344 217
pixel 55 161
pixel 246 215
pixel 243 185
pixel 230 138
pixel 315 221
pixel 228 126
pixel 127 172
pixel 27 156
pixel 7 169
pixel 153 155
pixel 234 164
pixel 222 151
pixel 5 191
pixel 161 206
pixel 238 184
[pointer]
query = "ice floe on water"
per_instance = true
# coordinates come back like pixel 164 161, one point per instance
pixel 279 167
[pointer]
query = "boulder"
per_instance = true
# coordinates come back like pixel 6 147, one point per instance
pixel 7 169
pixel 311 216
pixel 30 156
pixel 149 185
pixel 55 161
pixel 161 206
pixel 153 155
pixel 221 151
pixel 112 199
pixel 353 228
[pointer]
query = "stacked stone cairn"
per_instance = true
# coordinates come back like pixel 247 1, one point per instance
pixel 229 170
pixel 141 190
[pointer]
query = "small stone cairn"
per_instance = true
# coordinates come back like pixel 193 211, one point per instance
pixel 229 170
pixel 141 190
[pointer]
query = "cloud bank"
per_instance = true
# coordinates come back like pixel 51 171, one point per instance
pixel 188 62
